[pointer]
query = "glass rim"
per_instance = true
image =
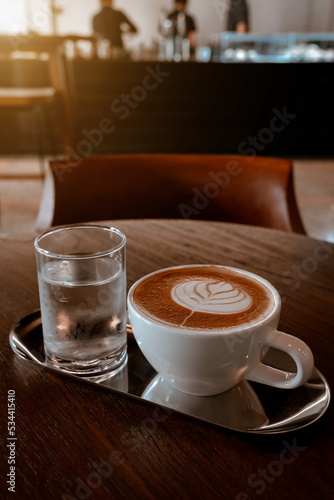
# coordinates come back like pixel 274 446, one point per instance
pixel 58 229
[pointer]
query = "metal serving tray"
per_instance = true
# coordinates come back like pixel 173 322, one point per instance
pixel 248 407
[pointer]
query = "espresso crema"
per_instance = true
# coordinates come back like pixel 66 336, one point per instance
pixel 206 298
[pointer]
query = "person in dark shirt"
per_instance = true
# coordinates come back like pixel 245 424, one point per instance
pixel 110 24
pixel 237 19
pixel 190 31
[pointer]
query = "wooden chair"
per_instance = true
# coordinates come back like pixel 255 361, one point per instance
pixel 34 101
pixel 247 190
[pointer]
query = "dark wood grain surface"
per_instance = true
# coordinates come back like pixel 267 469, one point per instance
pixel 78 441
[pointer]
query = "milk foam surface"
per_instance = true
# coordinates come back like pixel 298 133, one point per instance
pixel 211 297
pixel 205 297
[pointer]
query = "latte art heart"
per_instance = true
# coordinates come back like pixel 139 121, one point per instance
pixel 211 297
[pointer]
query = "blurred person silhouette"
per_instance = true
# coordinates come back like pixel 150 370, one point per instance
pixel 190 25
pixel 237 17
pixel 110 24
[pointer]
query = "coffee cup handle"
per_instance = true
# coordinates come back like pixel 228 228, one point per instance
pixel 300 353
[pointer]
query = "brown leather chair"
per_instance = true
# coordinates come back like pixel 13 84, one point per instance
pixel 247 190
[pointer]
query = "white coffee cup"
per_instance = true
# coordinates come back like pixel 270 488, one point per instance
pixel 210 362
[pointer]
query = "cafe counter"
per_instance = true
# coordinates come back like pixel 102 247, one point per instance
pixel 147 106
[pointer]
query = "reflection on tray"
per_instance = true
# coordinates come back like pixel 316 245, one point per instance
pixel 117 380
pixel 247 407
pixel 238 408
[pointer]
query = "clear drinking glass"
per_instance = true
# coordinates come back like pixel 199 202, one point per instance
pixel 82 288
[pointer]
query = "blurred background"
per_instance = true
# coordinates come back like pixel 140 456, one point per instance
pixel 60 83
pixel 266 16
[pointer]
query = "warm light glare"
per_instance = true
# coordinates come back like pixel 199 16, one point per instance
pixel 114 322
pixel 13 16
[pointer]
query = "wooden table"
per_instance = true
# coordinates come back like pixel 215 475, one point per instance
pixel 66 430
